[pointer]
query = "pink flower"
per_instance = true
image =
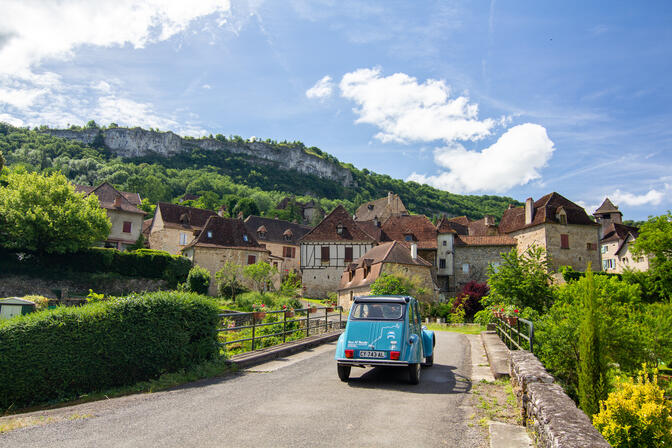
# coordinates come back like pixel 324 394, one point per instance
pixel 515 311
pixel 262 305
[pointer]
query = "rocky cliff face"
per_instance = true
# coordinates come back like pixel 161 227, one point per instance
pixel 138 142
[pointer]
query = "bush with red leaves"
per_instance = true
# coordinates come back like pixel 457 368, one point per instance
pixel 470 298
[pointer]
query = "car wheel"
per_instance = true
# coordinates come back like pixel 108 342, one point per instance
pixel 414 373
pixel 433 340
pixel 344 372
pixel 429 361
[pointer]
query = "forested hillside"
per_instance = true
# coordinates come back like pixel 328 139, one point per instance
pixel 224 177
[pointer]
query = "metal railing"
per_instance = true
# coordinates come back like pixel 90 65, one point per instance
pixel 513 334
pixel 304 323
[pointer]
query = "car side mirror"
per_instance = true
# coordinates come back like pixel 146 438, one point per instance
pixel 413 339
pixel 424 327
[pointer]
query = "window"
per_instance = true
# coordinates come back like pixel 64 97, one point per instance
pixel 367 270
pixel 183 238
pixel 465 268
pixel 351 275
pixel 604 248
pixel 288 252
pixel 442 263
pixel 564 241
pixel 408 237
pixel 209 234
pixel 445 243
pixel 251 259
pixel 382 311
pixel 608 264
pixel 591 246
pixel 339 229
pixel 127 226
pixel 324 255
pixel 287 237
pixel 563 219
pixel 348 255
pixel 245 237
pixel 495 265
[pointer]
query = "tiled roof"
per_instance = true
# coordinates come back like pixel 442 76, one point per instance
pixel 444 226
pixel 225 233
pixel 459 224
pixel 424 233
pixel 606 207
pixel 112 199
pixel 380 208
pixel 618 232
pixel 544 212
pixel 327 230
pixel 275 229
pixel 146 226
pixel 185 217
pixel 494 240
pixel 372 229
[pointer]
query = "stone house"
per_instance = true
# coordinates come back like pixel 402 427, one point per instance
pixel 222 240
pixel 381 209
pixel 445 241
pixel 174 226
pixel 281 238
pixel 559 226
pixel 328 249
pixel 473 255
pixel 615 241
pixel 410 229
pixel 122 210
pixel 388 258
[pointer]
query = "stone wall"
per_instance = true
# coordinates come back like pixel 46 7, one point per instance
pixel 19 286
pixel 318 282
pixel 477 258
pixel 548 412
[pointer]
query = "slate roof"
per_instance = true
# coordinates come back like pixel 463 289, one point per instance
pixel 618 232
pixel 493 240
pixel 544 212
pixel 327 230
pixel 225 233
pixel 184 217
pixel 424 233
pixel 381 208
pixel 107 196
pixel 275 229
pixel 607 207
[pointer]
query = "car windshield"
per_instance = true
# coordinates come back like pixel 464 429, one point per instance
pixel 378 311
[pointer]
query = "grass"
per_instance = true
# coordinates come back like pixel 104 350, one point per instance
pixel 495 401
pixel 464 329
pixel 25 422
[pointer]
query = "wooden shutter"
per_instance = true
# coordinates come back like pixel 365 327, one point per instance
pixel 251 259
pixel 127 226
pixel 324 255
pixel 348 254
pixel 293 252
pixel 564 241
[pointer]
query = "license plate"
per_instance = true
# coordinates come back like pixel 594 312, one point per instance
pixel 369 354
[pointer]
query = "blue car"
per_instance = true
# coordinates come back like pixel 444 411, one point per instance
pixel 385 331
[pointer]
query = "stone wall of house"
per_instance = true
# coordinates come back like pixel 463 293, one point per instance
pixel 471 262
pixel 19 286
pixel 168 239
pixel 422 274
pixel 318 282
pixel 445 252
pixel 213 259
pixel 346 297
pixel 623 260
pixel 117 218
pixel 288 264
pixel 548 412
pixel 533 236
pixel 578 255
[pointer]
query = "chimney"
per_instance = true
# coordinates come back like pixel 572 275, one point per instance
pixel 529 211
pixel 414 251
pixel 389 198
pixel 511 206
pixel 376 222
pixel 117 201
pixel 489 220
pixel 220 212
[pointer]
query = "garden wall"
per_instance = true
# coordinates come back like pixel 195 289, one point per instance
pixel 548 412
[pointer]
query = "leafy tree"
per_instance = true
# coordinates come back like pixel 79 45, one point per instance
pixel 470 298
pixel 2 161
pixel 228 280
pixel 260 274
pixel 198 280
pixel 387 284
pixel 247 207
pixel 92 125
pixel 655 239
pixel 521 280
pixel 44 214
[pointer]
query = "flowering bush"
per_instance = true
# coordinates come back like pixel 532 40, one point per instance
pixel 258 307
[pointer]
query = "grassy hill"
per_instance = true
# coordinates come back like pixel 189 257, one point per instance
pixel 225 177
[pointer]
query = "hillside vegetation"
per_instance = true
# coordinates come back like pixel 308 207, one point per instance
pixel 222 177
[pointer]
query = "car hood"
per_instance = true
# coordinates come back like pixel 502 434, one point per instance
pixel 374 335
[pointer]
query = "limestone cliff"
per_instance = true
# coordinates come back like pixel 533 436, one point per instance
pixel 138 142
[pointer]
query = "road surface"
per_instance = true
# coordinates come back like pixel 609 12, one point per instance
pixel 295 402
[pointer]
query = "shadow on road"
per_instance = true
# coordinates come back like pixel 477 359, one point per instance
pixel 438 379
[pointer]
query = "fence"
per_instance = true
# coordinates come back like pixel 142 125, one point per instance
pixel 516 333
pixel 259 323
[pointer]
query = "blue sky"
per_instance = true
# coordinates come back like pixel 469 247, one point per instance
pixel 514 98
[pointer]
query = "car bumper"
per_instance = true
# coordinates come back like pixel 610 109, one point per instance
pixel 370 362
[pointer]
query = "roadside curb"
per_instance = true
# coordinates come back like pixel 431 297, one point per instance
pixel 497 353
pixel 248 359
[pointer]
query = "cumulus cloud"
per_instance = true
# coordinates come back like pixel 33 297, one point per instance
pixel 515 159
pixel 406 110
pixel 652 197
pixel 322 89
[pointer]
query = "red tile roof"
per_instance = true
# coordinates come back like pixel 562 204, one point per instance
pixel 444 226
pixel 606 207
pixel 275 229
pixel 182 216
pixel 221 232
pixel 544 212
pixel 372 229
pixel 327 230
pixel 112 199
pixel 495 240
pixel 618 232
pixel 381 208
pixel 419 226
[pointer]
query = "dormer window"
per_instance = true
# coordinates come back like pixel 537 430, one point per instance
pixel 408 237
pixel 561 216
pixel 209 233
pixel 287 235
pixel 261 232
pixel 245 237
pixel 370 206
pixel 339 229
pixel 184 219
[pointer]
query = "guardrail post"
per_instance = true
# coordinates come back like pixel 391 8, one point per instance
pixel 254 326
pixel 284 328
pixel 307 322
pixel 326 319
pixel 340 317
pixel 531 337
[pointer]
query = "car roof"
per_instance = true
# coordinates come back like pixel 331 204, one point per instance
pixel 383 299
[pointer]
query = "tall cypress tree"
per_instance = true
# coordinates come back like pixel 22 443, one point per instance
pixel 592 363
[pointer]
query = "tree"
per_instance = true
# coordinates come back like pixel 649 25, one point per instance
pixel 91 125
pixel 387 284
pixel 260 274
pixel 227 279
pixel 44 214
pixel 470 298
pixel 198 280
pixel 521 280
pixel 655 239
pixel 247 207
pixel 2 161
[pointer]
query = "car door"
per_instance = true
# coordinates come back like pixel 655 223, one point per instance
pixel 415 331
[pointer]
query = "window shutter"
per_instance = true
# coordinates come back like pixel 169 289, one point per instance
pixel 564 241
pixel 251 259
pixel 348 254
pixel 325 253
pixel 127 226
pixel 293 252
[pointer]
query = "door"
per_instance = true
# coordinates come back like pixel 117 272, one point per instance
pixel 9 311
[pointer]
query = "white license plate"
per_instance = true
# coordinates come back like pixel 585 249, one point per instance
pixel 369 354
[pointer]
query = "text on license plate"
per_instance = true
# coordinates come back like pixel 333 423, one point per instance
pixel 370 354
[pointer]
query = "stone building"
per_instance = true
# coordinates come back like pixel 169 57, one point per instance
pixel 222 240
pixel 473 255
pixel 387 258
pixel 381 209
pixel 444 255
pixel 174 226
pixel 122 210
pixel 328 249
pixel 615 241
pixel 281 238
pixel 559 226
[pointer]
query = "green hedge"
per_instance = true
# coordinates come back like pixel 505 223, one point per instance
pixel 66 352
pixel 570 275
pixel 144 263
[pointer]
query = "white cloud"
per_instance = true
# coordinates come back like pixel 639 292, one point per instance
pixel 322 89
pixel 206 86
pixel 589 208
pixel 11 120
pixel 102 86
pixel 652 197
pixel 21 98
pixel 406 110
pixel 515 159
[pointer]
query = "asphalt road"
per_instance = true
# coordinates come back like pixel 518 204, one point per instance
pixel 296 402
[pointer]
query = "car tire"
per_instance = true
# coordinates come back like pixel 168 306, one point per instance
pixel 414 373
pixel 344 372
pixel 429 361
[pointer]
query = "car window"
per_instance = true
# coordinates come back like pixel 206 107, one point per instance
pixel 377 311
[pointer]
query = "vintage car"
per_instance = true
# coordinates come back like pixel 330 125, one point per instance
pixel 385 331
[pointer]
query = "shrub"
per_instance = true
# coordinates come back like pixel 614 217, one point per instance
pixel 636 414
pixel 41 303
pixel 227 278
pixel 198 280
pixel 70 351
pixel 470 298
